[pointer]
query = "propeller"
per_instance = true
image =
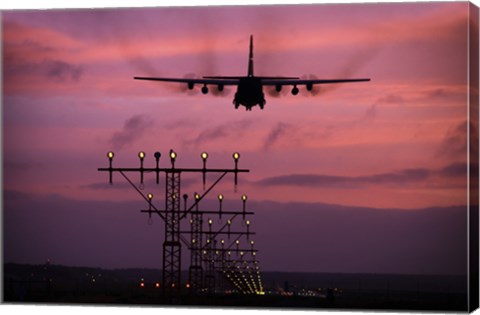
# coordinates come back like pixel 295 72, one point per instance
pixel 310 90
pixel 218 90
pixel 277 91
pixel 187 88
pixel 194 89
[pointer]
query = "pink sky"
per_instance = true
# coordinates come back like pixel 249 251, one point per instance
pixel 398 141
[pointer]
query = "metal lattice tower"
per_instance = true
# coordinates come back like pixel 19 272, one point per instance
pixel 172 248
pixel 195 271
pixel 172 217
pixel 209 254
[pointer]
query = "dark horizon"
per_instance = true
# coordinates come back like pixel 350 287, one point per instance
pixel 266 271
pixel 72 285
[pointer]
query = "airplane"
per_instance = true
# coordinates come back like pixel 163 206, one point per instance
pixel 250 87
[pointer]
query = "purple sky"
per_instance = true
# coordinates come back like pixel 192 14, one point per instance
pixel 367 177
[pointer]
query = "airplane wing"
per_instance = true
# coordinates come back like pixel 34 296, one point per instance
pixel 191 81
pixel 282 81
pixel 272 81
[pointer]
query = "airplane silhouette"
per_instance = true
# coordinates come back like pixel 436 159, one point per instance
pixel 250 88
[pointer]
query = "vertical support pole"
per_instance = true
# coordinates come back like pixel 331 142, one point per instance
pixel 195 272
pixel 210 264
pixel 222 266
pixel 172 246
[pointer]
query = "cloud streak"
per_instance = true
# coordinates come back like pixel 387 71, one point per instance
pixel 133 128
pixel 219 132
pixel 63 71
pixel 454 143
pixel 278 131
pixel 38 60
pixel 400 178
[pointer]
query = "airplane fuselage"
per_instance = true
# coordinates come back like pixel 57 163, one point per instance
pixel 249 93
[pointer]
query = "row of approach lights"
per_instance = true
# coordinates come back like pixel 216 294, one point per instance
pixel 173 157
pixel 228 250
pixel 157 284
pixel 220 200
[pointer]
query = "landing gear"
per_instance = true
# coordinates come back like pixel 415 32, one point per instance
pixel 248 106
pixel 262 104
pixel 236 102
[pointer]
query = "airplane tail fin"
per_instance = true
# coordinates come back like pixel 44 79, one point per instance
pixel 250 58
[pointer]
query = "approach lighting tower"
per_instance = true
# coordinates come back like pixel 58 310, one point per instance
pixel 172 214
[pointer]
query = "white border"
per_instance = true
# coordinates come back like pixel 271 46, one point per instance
pixel 74 310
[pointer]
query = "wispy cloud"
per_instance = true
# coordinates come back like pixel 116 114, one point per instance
pixel 52 69
pixel 133 128
pixel 313 180
pixel 402 177
pixel 391 98
pixel 61 70
pixel 35 56
pixel 371 112
pixel 454 143
pixel 223 131
pixel 278 131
